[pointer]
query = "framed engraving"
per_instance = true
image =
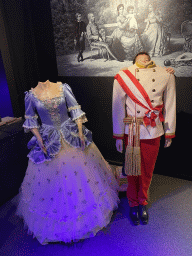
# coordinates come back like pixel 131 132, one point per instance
pixel 97 38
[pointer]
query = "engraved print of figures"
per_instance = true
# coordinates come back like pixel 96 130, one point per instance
pixel 120 29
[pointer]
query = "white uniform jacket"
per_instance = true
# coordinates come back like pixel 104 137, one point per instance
pixel 160 87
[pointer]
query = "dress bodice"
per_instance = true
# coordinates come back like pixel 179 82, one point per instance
pixel 56 122
pixel 53 111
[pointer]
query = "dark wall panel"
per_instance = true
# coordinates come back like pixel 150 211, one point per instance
pixel 5 101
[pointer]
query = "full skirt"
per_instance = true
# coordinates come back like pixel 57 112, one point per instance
pixel 69 198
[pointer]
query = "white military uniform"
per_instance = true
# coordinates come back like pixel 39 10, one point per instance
pixel 160 87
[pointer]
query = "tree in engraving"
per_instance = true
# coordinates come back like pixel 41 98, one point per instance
pixel 63 17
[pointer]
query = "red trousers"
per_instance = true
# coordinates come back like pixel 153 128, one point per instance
pixel 138 186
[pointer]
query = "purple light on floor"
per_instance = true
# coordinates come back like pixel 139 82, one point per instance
pixel 5 101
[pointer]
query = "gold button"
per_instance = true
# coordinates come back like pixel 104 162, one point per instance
pixel 153 80
pixel 154 70
pixel 138 79
pixel 137 70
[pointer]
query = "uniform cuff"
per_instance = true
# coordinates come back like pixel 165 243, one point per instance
pixel 169 136
pixel 118 136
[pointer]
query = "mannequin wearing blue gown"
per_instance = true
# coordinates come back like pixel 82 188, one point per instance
pixel 69 191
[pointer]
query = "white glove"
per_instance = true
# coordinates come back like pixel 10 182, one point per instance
pixel 167 142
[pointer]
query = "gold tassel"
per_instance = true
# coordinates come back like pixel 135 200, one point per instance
pixel 136 152
pixel 129 160
pixel 133 154
pixel 132 161
pixel 136 161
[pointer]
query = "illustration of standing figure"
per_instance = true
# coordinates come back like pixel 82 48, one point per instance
pixel 80 30
pixel 154 37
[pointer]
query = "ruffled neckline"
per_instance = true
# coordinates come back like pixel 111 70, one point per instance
pixel 60 95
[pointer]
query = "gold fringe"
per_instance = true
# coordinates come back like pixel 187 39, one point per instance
pixel 136 161
pixel 129 160
pixel 133 154
pixel 132 161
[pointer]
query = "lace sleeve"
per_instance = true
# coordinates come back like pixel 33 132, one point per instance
pixel 30 115
pixel 73 107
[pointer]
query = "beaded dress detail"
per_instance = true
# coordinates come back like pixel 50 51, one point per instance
pixel 67 194
pixel 53 107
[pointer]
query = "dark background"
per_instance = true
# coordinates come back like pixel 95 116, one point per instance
pixel 5 101
pixel 27 46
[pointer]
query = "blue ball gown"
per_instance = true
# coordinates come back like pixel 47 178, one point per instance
pixel 67 194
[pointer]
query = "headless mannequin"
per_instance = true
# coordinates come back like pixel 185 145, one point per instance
pixel 47 91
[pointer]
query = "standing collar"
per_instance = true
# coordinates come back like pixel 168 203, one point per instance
pixel 150 64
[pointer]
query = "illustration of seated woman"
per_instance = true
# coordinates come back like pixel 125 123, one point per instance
pixel 125 38
pixel 69 191
pixel 154 37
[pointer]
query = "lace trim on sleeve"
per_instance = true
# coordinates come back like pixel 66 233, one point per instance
pixel 27 129
pixel 30 127
pixel 81 119
pixel 31 117
pixel 74 107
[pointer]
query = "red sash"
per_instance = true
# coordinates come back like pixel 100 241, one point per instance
pixel 152 113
